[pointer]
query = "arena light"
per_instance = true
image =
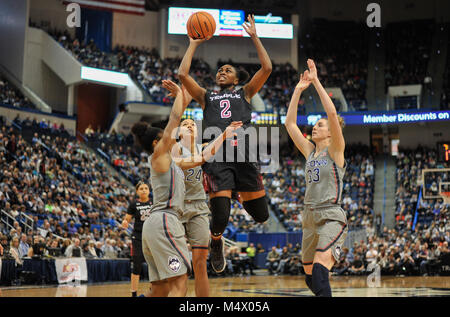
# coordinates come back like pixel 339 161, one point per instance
pixel 105 76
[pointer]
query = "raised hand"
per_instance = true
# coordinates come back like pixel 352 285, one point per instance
pixel 197 42
pixel 173 88
pixel 312 76
pixel 187 98
pixel 304 81
pixel 250 26
pixel 229 131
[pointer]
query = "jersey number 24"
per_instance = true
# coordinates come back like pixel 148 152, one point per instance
pixel 191 172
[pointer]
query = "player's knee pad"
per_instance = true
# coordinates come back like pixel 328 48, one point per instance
pixel 220 214
pixel 320 281
pixel 136 266
pixel 308 280
pixel 257 208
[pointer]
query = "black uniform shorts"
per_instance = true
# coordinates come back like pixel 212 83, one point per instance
pixel 136 252
pixel 239 176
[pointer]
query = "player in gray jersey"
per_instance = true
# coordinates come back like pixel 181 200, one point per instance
pixel 163 235
pixel 189 156
pixel 324 223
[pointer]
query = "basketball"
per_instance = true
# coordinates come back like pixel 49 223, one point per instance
pixel 200 25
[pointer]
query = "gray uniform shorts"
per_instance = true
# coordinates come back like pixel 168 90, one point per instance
pixel 196 222
pixel 164 246
pixel 323 228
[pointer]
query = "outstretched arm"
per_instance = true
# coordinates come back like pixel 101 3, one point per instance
pixel 183 98
pixel 208 152
pixel 194 89
pixel 260 77
pixel 294 132
pixel 337 145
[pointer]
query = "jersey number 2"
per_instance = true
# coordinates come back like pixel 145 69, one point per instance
pixel 225 113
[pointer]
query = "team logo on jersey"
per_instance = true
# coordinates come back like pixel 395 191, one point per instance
pixel 338 251
pixel 174 263
pixel 318 163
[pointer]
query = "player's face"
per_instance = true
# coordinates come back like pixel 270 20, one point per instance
pixel 188 129
pixel 155 141
pixel 143 191
pixel 226 76
pixel 320 130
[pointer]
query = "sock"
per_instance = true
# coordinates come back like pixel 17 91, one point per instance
pixel 220 212
pixel 308 281
pixel 320 280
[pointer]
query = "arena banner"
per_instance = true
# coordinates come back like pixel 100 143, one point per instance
pixel 71 269
pixel 121 6
pixel 379 117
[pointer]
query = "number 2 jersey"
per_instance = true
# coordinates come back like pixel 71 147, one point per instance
pixel 140 211
pixel 222 108
pixel 323 180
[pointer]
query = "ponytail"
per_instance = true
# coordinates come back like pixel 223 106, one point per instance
pixel 242 75
pixel 144 135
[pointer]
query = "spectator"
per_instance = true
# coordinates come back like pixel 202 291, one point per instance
pixel 74 249
pixel 273 260
pixel 251 253
pixel 23 246
pixel 357 267
pixel 285 257
pixel 14 251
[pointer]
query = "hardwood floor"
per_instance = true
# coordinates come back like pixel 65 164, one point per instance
pixel 257 286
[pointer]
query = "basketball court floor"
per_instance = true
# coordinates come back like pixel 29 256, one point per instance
pixel 258 286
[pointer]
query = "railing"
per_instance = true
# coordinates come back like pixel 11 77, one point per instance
pixel 82 136
pixel 229 243
pixel 384 194
pixel 15 125
pixel 5 217
pixel 27 220
pixel 416 213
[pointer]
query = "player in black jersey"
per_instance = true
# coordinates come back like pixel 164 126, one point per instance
pixel 219 110
pixel 139 210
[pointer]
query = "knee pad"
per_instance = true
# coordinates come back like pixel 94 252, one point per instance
pixel 308 280
pixel 320 281
pixel 257 208
pixel 220 214
pixel 136 268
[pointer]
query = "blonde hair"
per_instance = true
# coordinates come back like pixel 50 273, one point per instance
pixel 341 121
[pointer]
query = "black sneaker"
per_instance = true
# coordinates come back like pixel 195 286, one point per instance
pixel 216 256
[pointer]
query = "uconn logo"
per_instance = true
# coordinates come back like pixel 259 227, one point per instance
pixel 318 163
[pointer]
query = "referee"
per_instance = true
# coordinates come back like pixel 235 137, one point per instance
pixel 139 210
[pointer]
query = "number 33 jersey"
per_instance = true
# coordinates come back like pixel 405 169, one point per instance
pixel 193 178
pixel 323 180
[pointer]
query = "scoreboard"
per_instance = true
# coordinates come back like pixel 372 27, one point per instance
pixel 443 149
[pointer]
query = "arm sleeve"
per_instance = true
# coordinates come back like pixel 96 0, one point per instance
pixel 132 209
